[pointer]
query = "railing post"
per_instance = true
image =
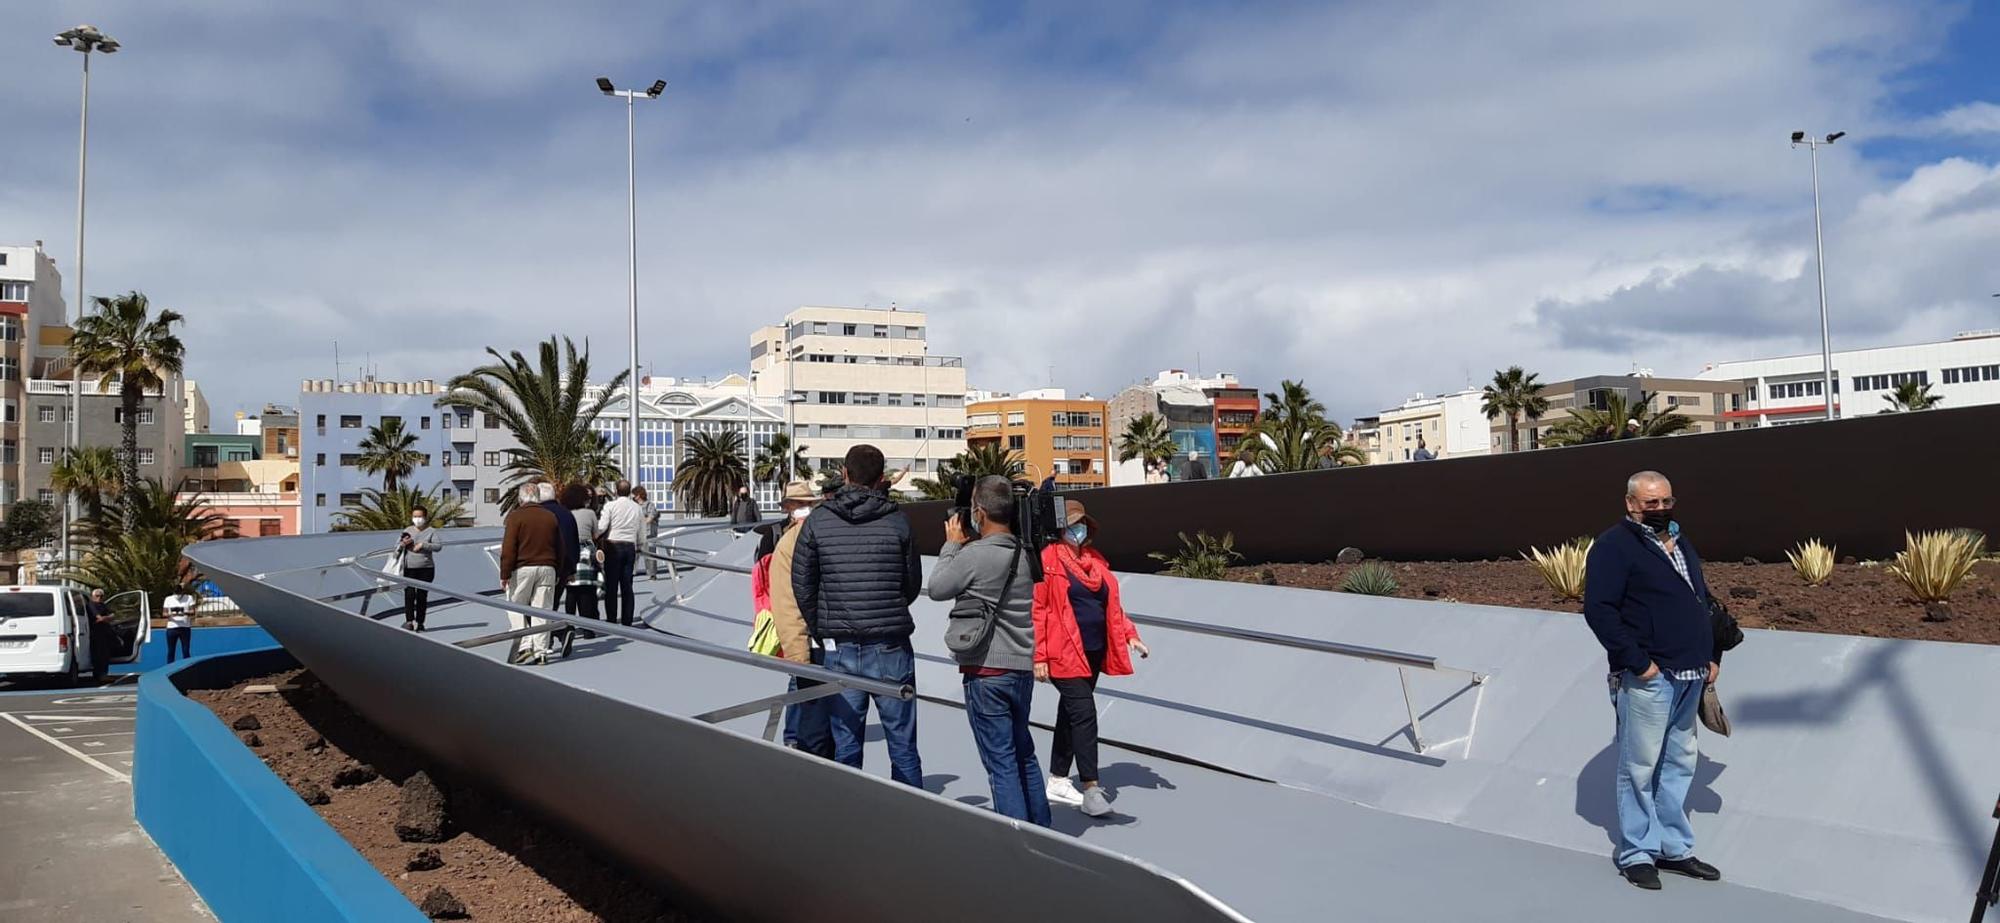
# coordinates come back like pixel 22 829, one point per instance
pixel 1989 883
pixel 1409 704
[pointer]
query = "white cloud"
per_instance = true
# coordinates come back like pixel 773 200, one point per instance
pixel 1378 199
pixel 1980 118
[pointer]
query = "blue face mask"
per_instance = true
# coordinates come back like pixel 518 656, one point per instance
pixel 1077 533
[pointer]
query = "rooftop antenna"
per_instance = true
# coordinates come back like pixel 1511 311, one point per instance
pixel 336 363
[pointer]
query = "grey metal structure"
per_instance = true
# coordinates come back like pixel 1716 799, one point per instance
pixel 1266 761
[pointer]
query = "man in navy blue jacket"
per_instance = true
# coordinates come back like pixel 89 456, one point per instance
pixel 1645 598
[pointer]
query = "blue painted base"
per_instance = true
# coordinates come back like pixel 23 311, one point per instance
pixel 250 847
pixel 205 641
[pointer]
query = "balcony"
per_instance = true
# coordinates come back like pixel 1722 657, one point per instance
pixel 89 387
pixel 462 472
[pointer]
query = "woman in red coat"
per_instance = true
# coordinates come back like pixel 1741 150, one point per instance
pixel 1081 632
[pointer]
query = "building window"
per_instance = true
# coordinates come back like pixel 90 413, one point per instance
pixel 492 422
pixel 1017 443
pixel 350 499
pixel 10 368
pixel 267 528
pixel 45 414
pixel 951 434
pixel 350 421
pixel 145 415
pixel 322 424
pixel 492 459
pixel 45 455
pixel 424 422
pixel 45 495
pixel 881 332
pixel 10 329
pixel 1017 419
pixel 847 330
pixel 493 495
pixel 386 420
pixel 13 291
pixel 831 397
pixel 465 456
pixel 146 456
pixel 319 499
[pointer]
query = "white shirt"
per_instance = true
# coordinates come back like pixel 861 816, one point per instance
pixel 180 611
pixel 624 518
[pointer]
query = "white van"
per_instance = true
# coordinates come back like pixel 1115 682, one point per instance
pixel 43 630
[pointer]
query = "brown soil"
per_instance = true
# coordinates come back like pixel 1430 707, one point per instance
pixel 504 866
pixel 1860 599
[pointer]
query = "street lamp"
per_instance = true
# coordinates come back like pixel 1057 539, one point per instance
pixel 1819 250
pixel 83 39
pixel 632 282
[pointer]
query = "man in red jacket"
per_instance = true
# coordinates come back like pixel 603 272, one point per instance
pixel 1081 632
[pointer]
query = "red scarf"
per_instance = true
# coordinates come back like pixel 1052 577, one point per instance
pixel 1088 569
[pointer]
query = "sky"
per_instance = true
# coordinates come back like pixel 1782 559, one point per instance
pixel 1379 199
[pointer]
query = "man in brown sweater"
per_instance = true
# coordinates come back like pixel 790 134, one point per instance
pixel 529 552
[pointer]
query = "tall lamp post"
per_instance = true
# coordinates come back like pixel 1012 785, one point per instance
pixel 1819 261
pixel 83 39
pixel 632 282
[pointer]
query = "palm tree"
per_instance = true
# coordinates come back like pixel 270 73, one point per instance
pixel 92 475
pixel 977 461
pixel 1146 439
pixel 389 510
pixel 148 555
pixel 546 406
pixel 124 345
pixel 771 461
pixel 186 517
pixel 390 451
pixel 711 469
pixel 1514 393
pixel 1291 433
pixel 1619 419
pixel 1912 395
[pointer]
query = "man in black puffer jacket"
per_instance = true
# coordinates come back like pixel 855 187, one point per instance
pixel 855 573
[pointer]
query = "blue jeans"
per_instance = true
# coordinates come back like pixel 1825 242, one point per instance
pixel 997 707
pixel 890 662
pixel 806 723
pixel 1656 760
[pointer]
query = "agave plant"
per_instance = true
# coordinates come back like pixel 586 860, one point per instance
pixel 1562 566
pixel 1203 557
pixel 1813 561
pixel 1371 579
pixel 1933 564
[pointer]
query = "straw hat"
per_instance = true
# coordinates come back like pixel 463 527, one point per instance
pixel 801 492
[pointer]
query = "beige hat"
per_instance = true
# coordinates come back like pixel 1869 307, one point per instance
pixel 1073 513
pixel 801 492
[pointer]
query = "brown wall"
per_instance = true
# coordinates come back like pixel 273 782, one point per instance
pixel 1855 483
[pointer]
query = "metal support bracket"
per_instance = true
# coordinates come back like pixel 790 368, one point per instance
pixel 772 702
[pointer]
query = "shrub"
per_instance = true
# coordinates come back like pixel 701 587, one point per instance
pixel 1933 564
pixel 1813 561
pixel 1371 579
pixel 1203 557
pixel 1563 565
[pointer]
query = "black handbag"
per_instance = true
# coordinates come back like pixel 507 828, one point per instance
pixel 1727 633
pixel 966 634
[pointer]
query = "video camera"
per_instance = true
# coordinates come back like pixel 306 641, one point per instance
pixel 1037 520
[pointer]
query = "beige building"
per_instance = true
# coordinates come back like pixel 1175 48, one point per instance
pixel 858 375
pixel 1441 426
pixel 1708 403
pixel 195 407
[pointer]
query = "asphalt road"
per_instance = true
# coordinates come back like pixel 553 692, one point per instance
pixel 69 848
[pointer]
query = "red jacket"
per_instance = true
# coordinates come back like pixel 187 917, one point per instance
pixel 1057 641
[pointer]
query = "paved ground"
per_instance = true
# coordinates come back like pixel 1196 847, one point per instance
pixel 69 848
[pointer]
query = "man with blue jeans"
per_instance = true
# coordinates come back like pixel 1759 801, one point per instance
pixel 855 572
pixel 1645 599
pixel 992 636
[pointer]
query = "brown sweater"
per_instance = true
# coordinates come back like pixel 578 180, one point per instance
pixel 532 539
pixel 793 636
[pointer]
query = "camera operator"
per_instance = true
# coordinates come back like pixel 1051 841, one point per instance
pixel 992 636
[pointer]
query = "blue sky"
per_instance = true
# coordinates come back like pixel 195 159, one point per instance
pixel 1379 198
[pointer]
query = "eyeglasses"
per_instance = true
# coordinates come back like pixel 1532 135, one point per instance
pixel 1661 503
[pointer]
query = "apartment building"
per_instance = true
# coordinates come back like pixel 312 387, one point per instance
pixel 1964 371
pixel 195 406
pixel 1365 434
pixel 1443 426
pixel 858 375
pixel 336 418
pixel 1205 416
pixel 256 496
pixel 33 327
pixel 1708 403
pixel 1051 434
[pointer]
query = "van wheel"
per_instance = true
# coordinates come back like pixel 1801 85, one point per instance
pixel 69 679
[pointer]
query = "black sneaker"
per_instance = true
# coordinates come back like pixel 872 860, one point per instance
pixel 1643 875
pixel 1692 868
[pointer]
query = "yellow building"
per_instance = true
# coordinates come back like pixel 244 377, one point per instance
pixel 1050 433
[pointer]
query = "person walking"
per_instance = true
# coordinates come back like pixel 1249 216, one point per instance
pixel 580 590
pixel 530 550
pixel 418 545
pixel 992 636
pixel 1081 633
pixel 103 635
pixel 855 572
pixel 180 622
pixel 652 530
pixel 1645 599
pixel 743 512
pixel 623 523
pixel 1196 471
pixel 549 494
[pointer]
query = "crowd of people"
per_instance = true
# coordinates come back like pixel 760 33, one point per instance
pixel 564 549
pixel 833 586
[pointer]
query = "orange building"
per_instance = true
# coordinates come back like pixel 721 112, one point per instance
pixel 1235 412
pixel 1049 432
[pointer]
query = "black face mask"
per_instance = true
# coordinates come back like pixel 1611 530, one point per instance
pixel 1657 520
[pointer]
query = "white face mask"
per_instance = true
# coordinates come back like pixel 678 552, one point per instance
pixel 802 512
pixel 417 521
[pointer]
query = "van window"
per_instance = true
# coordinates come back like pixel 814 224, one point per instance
pixel 26 605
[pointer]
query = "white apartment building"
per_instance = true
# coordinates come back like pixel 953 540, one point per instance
pixel 858 375
pixel 31 310
pixel 195 407
pixel 1964 371
pixel 1449 425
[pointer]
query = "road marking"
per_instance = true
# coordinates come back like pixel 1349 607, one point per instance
pixel 76 719
pixel 98 734
pixel 66 748
pixel 97 700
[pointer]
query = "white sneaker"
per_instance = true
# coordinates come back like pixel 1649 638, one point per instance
pixel 1094 802
pixel 1062 791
